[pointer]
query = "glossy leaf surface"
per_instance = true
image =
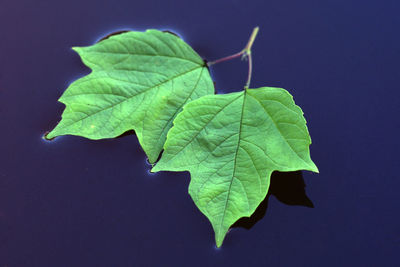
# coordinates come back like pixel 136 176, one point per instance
pixel 231 144
pixel 139 81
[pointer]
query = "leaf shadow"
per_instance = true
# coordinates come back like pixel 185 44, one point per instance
pixel 288 188
pixel 112 34
pixel 127 133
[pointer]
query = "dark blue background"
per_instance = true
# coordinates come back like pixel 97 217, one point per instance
pixel 76 202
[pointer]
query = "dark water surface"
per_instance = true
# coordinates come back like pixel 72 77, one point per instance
pixel 76 202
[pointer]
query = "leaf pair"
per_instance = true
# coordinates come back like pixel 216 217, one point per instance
pixel 229 143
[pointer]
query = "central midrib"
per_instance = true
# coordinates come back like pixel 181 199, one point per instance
pixel 131 96
pixel 235 160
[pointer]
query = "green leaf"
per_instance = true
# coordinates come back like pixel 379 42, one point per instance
pixel 231 144
pixel 139 81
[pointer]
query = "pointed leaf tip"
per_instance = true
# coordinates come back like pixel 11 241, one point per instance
pixel 219 239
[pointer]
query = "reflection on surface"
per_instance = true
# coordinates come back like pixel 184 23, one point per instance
pixel 288 188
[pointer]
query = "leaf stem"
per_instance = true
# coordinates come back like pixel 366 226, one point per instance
pixel 250 70
pixel 245 53
pixel 226 58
